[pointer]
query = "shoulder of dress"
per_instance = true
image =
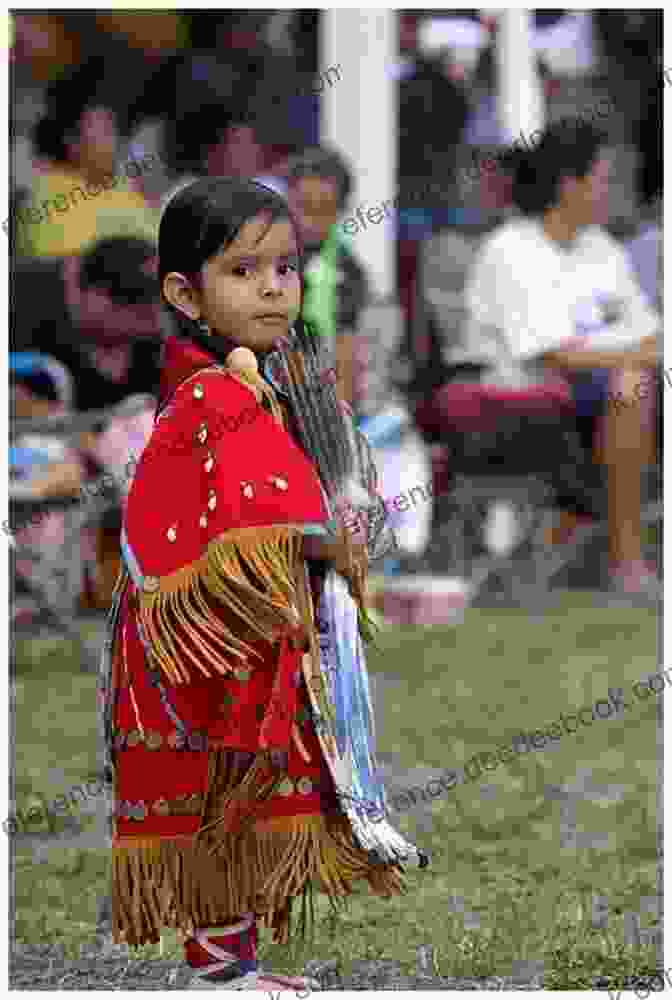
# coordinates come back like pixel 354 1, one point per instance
pixel 207 390
pixel 201 409
pixel 216 378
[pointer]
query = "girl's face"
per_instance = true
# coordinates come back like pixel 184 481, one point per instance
pixel 250 292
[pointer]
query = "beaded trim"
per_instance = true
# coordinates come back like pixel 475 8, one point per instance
pixel 183 805
pixel 301 786
pixel 177 739
pixel 192 805
pixel 129 739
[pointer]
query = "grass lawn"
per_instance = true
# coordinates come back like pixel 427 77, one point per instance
pixel 517 857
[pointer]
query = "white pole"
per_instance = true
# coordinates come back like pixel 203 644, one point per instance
pixel 521 104
pixel 359 119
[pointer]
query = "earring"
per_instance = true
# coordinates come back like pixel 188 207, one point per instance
pixel 203 327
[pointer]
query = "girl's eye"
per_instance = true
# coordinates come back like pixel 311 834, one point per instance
pixel 242 270
pixel 288 269
pixel 289 266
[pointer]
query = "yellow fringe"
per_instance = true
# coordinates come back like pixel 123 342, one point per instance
pixel 185 886
pixel 252 573
pixel 237 863
pixel 235 807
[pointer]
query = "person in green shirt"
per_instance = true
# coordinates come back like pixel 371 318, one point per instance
pixel 336 288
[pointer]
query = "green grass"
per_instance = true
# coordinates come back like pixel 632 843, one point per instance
pixel 453 692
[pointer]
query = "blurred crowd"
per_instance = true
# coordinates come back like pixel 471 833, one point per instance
pixel 112 112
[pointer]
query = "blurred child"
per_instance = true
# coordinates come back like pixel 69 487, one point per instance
pixel 42 466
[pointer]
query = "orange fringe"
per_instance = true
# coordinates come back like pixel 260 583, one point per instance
pixel 170 883
pixel 251 573
pixel 263 866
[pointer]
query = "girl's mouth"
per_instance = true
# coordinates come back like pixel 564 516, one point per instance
pixel 271 318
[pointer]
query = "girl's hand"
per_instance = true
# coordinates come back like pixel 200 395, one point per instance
pixel 348 558
pixel 351 559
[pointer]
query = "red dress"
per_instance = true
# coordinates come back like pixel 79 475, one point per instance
pixel 223 803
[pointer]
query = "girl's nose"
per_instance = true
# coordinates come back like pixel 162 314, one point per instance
pixel 271 283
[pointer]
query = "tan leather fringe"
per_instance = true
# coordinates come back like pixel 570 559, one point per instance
pixel 297 368
pixel 251 573
pixel 234 807
pixel 185 886
pixel 257 865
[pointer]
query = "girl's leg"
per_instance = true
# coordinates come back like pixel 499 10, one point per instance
pixel 229 960
pixel 243 943
pixel 226 954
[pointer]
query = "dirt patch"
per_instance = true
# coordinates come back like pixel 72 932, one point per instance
pixel 43 967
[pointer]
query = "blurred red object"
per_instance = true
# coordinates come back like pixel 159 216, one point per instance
pixel 551 87
pixel 495 189
pixel 424 600
pixel 407 268
pixel 440 460
pixel 472 406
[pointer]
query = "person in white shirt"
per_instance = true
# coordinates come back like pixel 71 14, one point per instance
pixel 551 290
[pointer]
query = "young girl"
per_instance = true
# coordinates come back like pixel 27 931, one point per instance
pixel 234 691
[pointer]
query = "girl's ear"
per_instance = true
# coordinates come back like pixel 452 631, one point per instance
pixel 180 293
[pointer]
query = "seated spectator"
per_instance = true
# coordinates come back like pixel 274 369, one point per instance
pixel 117 448
pixel 218 140
pixel 213 139
pixel 113 456
pixel 550 289
pixel 336 288
pixel 42 466
pixel 80 192
pixel 99 316
pixel 45 474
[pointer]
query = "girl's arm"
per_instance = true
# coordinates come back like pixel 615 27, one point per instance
pixel 348 558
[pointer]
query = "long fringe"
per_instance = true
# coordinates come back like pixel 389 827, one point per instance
pixel 251 575
pixel 238 863
pixel 237 805
pixel 171 883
